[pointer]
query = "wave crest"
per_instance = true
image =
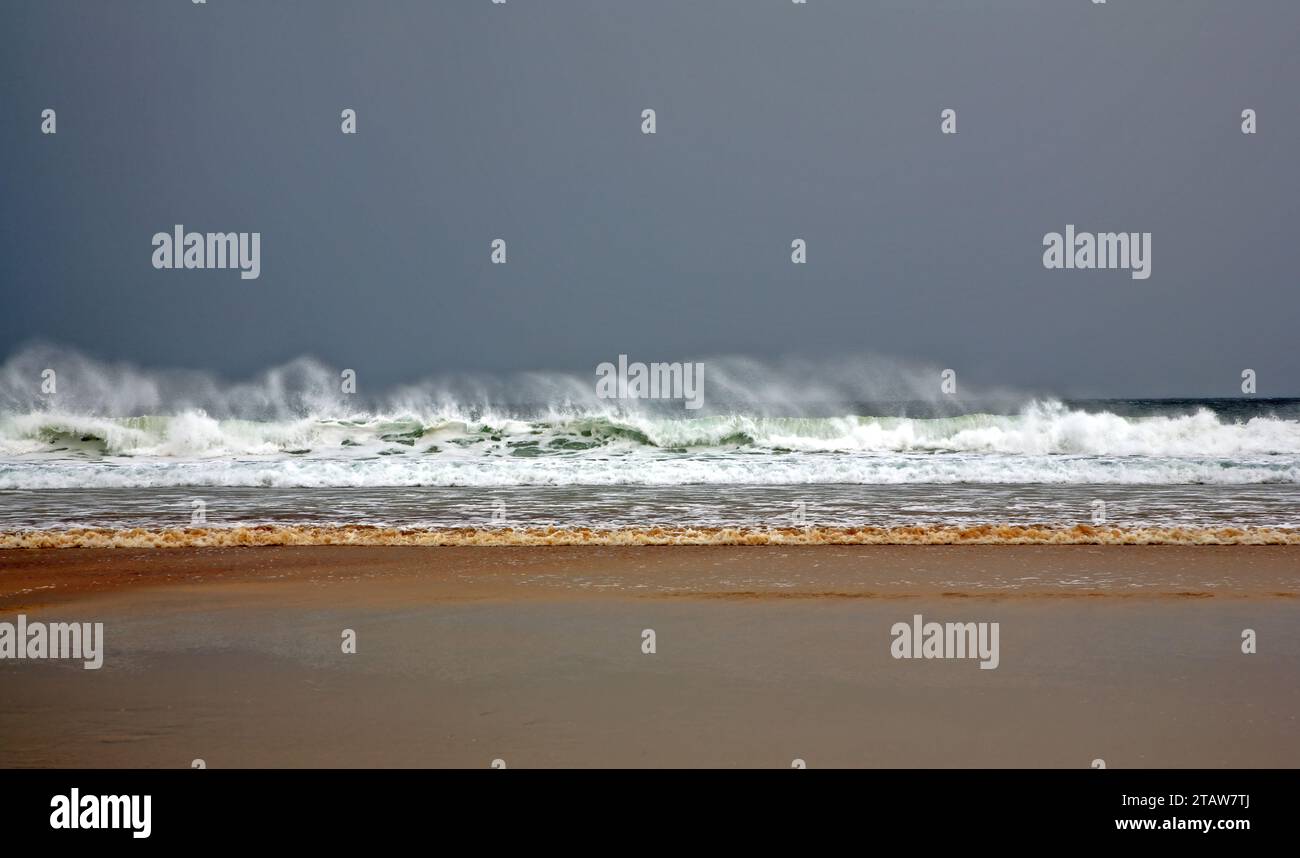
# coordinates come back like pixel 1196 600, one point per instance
pixel 1040 429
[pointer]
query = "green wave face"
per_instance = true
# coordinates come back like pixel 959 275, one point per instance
pixel 1039 430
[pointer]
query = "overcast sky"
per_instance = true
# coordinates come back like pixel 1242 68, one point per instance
pixel 775 121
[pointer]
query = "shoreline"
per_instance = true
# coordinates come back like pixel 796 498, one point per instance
pixel 263 535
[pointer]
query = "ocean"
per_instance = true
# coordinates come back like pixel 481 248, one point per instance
pixel 1137 466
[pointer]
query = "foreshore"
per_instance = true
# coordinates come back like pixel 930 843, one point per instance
pixel 762 655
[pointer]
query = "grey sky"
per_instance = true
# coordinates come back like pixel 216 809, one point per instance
pixel 775 121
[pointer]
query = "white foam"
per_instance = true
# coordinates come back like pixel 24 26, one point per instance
pixel 279 430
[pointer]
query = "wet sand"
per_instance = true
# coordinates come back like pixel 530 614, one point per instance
pixel 1131 654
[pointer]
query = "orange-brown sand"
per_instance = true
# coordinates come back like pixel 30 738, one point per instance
pixel 387 575
pixel 533 655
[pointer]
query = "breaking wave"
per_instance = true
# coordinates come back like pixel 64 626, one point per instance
pixel 1045 443
pixel 1040 429
pixel 116 426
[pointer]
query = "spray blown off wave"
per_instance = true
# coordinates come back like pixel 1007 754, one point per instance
pixel 863 422
pixel 360 535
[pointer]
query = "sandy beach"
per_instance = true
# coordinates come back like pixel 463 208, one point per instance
pixel 763 655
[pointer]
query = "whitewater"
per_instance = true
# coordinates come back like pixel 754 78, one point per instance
pixel 844 453
pixel 1044 443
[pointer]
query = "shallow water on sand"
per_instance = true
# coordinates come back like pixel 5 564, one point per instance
pixel 1183 506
